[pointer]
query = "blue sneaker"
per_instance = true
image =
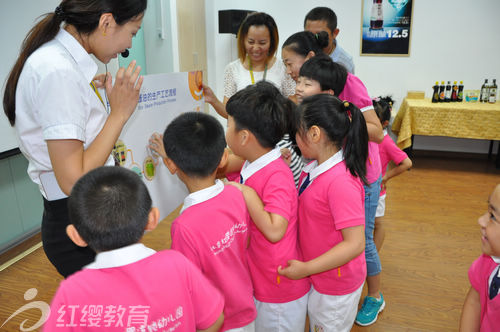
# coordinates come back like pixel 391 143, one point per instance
pixel 369 310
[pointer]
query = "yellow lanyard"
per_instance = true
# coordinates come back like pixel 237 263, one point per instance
pixel 97 93
pixel 251 71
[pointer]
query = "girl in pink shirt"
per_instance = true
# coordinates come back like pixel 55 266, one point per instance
pixel 388 151
pixel 331 210
pixel 258 118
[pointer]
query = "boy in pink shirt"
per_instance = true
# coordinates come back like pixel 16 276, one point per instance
pixel 388 151
pixel 128 287
pixel 481 311
pixel 212 228
pixel 258 117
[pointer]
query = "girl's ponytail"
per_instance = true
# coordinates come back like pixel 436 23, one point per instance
pixel 42 32
pixel 356 141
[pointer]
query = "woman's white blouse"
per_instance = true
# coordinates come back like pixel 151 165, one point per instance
pixel 237 77
pixel 54 101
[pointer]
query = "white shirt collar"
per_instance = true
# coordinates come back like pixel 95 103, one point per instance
pixel 81 57
pixel 314 170
pixel 250 168
pixel 385 132
pixel 120 257
pixel 203 195
pixel 496 259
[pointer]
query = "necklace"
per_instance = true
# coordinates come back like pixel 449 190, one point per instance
pixel 251 71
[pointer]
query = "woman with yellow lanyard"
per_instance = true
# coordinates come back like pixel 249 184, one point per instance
pixel 257 45
pixel 63 126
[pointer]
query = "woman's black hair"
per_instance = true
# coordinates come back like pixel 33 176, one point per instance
pixel 383 108
pixel 330 75
pixel 304 42
pixel 344 124
pixel 264 111
pixel 84 15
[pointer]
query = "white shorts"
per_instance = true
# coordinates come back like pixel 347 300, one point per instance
pixel 249 328
pixel 332 313
pixel 380 207
pixel 281 317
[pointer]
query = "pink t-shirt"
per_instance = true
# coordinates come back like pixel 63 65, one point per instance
pixel 355 92
pixel 389 151
pixel 163 291
pixel 333 201
pixel 479 274
pixel 213 234
pixel 275 185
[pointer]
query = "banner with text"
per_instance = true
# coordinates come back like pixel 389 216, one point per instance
pixel 162 98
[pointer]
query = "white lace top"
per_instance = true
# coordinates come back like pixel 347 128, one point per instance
pixel 236 78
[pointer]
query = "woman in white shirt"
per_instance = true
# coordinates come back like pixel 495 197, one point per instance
pixel 63 125
pixel 257 45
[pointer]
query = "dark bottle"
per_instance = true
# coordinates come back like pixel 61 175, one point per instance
pixel 460 95
pixel 435 94
pixel 492 98
pixel 447 96
pixel 441 91
pixel 484 92
pixel 377 16
pixel 454 91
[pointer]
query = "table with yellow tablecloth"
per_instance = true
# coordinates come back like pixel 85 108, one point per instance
pixel 462 120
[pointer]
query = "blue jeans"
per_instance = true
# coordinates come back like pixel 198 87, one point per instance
pixel 372 193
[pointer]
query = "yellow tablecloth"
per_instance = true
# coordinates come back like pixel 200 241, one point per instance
pixel 463 120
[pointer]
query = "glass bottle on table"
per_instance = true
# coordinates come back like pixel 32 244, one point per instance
pixel 492 98
pixel 484 92
pixel 447 97
pixel 441 92
pixel 435 93
pixel 454 92
pixel 460 95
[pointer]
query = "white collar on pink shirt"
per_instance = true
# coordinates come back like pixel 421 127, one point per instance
pixel 120 257
pixel 314 170
pixel 385 132
pixel 250 168
pixel 203 195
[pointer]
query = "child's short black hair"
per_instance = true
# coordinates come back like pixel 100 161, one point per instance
pixel 322 14
pixel 109 206
pixel 329 74
pixel 195 142
pixel 264 111
pixel 383 108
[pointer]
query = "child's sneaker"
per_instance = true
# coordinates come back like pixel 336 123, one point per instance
pixel 369 310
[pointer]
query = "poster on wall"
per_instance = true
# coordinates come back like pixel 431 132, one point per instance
pixel 386 27
pixel 162 98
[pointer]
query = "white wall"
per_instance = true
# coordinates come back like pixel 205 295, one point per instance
pixel 451 40
pixel 16 19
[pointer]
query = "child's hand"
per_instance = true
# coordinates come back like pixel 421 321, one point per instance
pixel 156 144
pixel 384 182
pixel 286 154
pixel 295 270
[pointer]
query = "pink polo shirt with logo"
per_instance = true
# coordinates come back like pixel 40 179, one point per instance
pixel 334 200
pixel 213 233
pixel 479 275
pixel 355 92
pixel 163 290
pixel 275 185
pixel 388 151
